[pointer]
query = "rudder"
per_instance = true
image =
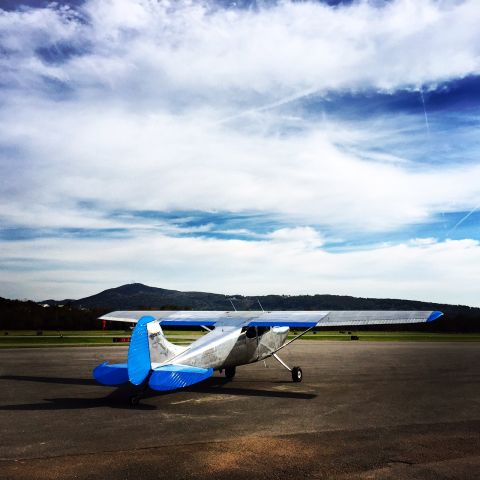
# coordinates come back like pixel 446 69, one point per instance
pixel 138 362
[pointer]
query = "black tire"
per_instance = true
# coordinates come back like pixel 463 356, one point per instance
pixel 230 372
pixel 297 374
pixel 134 400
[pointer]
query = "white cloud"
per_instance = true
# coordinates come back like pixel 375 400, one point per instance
pixel 302 237
pixel 141 130
pixel 423 270
pixel 161 47
pixel 121 160
pixel 175 106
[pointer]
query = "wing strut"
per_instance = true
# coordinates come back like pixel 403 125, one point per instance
pixel 276 357
pixel 296 372
pixel 295 338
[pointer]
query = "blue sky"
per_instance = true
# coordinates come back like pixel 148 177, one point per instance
pixel 241 147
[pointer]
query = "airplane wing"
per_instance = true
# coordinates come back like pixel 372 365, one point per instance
pixel 293 319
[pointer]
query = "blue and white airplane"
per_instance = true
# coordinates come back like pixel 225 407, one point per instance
pixel 233 339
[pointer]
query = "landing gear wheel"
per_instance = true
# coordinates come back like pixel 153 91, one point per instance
pixel 134 400
pixel 297 374
pixel 230 372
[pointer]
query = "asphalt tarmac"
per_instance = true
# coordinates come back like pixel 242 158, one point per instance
pixel 364 410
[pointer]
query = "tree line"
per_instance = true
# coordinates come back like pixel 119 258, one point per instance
pixel 28 315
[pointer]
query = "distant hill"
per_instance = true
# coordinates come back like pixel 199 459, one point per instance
pixel 139 296
pixel 136 296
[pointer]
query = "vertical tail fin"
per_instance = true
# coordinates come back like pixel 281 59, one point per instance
pixel 161 350
pixel 148 346
pixel 138 362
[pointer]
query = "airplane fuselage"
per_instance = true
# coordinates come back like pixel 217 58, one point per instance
pixel 232 346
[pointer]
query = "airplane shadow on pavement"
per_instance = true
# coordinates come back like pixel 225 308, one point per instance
pixel 120 396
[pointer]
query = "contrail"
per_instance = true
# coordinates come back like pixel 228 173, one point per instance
pixel 463 219
pixel 425 111
pixel 277 103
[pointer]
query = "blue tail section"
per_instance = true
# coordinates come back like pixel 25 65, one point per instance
pixel 171 377
pixel 138 366
pixel 138 352
pixel 107 374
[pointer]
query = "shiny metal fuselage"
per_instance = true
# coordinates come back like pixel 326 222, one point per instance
pixel 230 346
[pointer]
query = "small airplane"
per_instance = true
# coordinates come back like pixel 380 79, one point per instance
pixel 237 338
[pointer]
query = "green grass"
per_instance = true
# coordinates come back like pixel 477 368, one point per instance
pixel 29 338
pixel 84 333
pixel 55 338
pixel 70 333
pixel 393 336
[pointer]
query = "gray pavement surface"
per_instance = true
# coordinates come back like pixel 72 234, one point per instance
pixel 363 411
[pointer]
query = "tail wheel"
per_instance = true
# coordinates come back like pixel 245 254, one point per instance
pixel 297 374
pixel 134 400
pixel 230 372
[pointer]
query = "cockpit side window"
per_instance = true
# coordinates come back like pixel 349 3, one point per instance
pixel 252 332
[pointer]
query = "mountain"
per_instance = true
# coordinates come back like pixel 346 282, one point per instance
pixel 136 296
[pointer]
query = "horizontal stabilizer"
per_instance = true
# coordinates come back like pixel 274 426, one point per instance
pixel 107 374
pixel 171 377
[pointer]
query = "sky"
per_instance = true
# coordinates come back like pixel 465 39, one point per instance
pixel 249 147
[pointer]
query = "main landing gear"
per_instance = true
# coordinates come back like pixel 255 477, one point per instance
pixel 296 372
pixel 230 372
